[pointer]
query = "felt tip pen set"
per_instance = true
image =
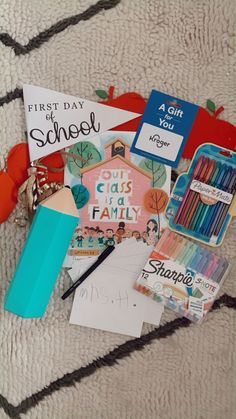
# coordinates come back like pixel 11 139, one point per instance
pixel 183 275
pixel 203 200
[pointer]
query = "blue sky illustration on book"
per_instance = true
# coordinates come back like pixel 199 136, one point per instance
pixel 118 193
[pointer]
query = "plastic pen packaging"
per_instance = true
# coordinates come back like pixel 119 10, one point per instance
pixel 183 275
pixel 203 200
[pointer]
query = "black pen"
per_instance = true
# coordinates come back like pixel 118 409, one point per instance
pixel 98 262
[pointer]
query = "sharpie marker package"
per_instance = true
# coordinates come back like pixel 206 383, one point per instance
pixel 183 275
pixel 203 200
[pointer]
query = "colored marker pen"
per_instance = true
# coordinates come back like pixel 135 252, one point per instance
pixel 182 252
pixel 224 207
pixel 213 265
pixel 190 254
pixel 164 241
pixel 195 262
pixel 205 263
pixel 185 255
pixel 206 175
pixel 202 208
pixel 210 208
pixel 220 271
pixel 218 205
pixel 179 246
pixel 187 197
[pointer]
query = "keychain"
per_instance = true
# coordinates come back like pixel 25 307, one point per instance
pixel 27 184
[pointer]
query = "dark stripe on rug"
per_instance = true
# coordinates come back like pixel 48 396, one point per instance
pixel 9 97
pixel 108 360
pixel 8 408
pixel 58 27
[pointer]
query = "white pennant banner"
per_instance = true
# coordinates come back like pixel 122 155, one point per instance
pixel 55 120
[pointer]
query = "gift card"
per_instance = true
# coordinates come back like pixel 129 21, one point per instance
pixel 164 129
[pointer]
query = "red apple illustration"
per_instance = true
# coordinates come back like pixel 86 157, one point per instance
pixel 18 163
pixel 208 128
pixel 16 173
pixel 8 196
pixel 130 101
pixel 56 163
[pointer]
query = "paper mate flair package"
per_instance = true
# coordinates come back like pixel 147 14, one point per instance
pixel 183 275
pixel 203 200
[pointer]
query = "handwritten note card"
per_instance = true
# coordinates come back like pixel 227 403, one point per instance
pixel 107 299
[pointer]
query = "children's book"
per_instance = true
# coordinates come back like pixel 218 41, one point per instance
pixel 119 194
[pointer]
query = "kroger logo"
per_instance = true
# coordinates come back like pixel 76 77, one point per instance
pixel 157 140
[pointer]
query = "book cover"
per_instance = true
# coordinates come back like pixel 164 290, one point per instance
pixel 119 194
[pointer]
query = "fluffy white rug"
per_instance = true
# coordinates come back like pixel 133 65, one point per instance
pixel 50 369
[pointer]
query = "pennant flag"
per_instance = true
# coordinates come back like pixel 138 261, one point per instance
pixel 55 120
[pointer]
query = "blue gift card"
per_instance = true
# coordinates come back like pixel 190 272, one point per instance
pixel 164 129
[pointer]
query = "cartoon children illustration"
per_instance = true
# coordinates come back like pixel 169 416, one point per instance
pixel 144 236
pixel 152 238
pixel 72 243
pixel 120 232
pixel 79 237
pixel 85 232
pixel 121 225
pixel 91 236
pixel 128 234
pixel 109 237
pixel 136 235
pixel 152 231
pixel 101 237
pixel 151 225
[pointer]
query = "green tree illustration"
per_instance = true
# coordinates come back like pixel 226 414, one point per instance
pixel 82 155
pixel 81 195
pixel 157 170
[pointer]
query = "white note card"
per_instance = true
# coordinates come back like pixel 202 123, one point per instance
pixel 106 300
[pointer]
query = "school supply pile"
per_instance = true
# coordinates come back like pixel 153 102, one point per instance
pixel 112 219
